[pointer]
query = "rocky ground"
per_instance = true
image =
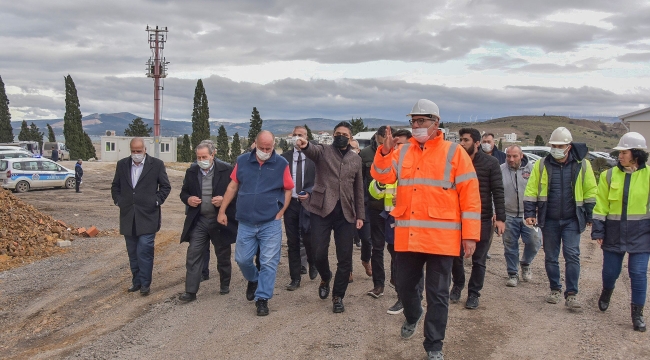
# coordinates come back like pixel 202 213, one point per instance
pixel 75 304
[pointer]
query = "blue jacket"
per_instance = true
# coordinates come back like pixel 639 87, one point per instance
pixel 261 188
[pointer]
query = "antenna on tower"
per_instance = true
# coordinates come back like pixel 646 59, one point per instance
pixel 157 69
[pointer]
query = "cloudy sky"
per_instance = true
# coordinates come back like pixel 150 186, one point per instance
pixel 336 59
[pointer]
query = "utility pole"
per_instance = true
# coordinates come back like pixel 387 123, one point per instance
pixel 157 69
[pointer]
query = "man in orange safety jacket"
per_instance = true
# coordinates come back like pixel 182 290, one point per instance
pixel 438 209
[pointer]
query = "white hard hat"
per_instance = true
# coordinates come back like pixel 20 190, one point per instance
pixel 425 107
pixel 631 140
pixel 560 136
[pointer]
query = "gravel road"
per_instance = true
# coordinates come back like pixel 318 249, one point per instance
pixel 75 305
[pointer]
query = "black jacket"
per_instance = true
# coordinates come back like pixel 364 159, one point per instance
pixel 499 155
pixel 367 157
pixel 560 191
pixel 142 204
pixel 192 187
pixel 310 171
pixel 490 183
pixel 78 171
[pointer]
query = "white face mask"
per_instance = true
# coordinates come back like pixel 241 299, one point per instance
pixel 137 158
pixel 487 147
pixel 262 155
pixel 422 134
pixel 557 153
pixel 204 164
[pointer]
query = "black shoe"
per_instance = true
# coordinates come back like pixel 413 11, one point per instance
pixel 144 291
pixel 454 294
pixel 324 289
pixel 472 302
pixel 337 305
pixel 488 256
pixel 187 297
pixel 637 318
pixel 205 277
pixel 224 289
pixel 262 307
pixel 312 272
pixel 293 285
pixel 303 270
pixel 603 301
pixel 357 242
pixel 133 288
pixel 250 290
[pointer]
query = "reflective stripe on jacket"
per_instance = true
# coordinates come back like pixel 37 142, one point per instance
pixel 623 225
pixel 386 192
pixel 438 200
pixel 584 188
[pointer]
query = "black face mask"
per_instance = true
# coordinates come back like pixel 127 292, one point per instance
pixel 340 141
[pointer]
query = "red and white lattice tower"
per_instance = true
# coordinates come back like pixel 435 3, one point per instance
pixel 157 69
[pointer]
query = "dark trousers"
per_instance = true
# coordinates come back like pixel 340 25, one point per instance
pixel 140 250
pixel 377 228
pixel 206 230
pixel 206 261
pixel 321 230
pixel 295 232
pixel 366 241
pixel 409 273
pixel 77 182
pixel 479 259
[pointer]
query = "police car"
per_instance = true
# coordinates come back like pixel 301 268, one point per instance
pixel 23 174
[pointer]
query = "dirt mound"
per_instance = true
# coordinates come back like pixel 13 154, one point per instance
pixel 26 234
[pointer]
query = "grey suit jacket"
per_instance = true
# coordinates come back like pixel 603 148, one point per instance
pixel 337 178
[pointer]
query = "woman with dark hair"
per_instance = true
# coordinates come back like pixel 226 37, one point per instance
pixel 621 223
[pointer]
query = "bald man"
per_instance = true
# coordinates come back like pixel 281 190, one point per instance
pixel 262 182
pixel 139 188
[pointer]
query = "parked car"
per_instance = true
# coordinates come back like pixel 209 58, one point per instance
pixel 22 174
pixel 64 154
pixel 18 153
pixel 593 155
pixel 532 157
pixel 540 151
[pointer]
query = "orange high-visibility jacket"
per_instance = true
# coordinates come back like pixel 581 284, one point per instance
pixel 438 201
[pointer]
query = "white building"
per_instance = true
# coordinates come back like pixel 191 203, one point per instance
pixel 324 138
pixel 638 121
pixel 115 148
pixel 511 138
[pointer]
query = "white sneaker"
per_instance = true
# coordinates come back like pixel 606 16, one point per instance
pixel 554 297
pixel 526 273
pixel 513 281
pixel 572 303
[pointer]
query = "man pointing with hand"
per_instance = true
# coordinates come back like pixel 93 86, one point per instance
pixel 438 208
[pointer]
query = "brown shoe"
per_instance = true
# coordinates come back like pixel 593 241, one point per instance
pixel 351 280
pixel 376 292
pixel 366 265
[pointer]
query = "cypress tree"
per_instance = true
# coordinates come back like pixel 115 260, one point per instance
pixel 50 134
pixel 137 127
pixel 235 148
pixel 358 126
pixel 185 150
pixel 539 141
pixel 25 134
pixel 90 148
pixel 36 135
pixel 310 136
pixel 72 127
pixel 200 115
pixel 500 146
pixel 223 150
pixel 6 132
pixel 255 126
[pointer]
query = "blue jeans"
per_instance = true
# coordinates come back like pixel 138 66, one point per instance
pixel 268 237
pixel 637 265
pixel 564 233
pixel 515 228
pixel 140 250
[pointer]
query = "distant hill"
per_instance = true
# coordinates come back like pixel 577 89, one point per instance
pixel 597 135
pixel 98 124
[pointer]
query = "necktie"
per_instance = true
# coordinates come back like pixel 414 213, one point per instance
pixel 299 173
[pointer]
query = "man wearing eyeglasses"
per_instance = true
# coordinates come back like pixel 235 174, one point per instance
pixel 336 203
pixel 438 208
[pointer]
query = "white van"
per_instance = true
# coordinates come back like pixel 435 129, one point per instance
pixel 364 138
pixel 64 154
